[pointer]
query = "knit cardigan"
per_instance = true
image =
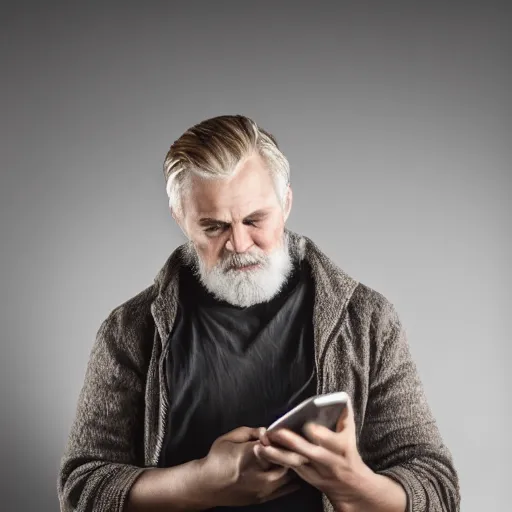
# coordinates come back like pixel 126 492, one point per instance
pixel 361 347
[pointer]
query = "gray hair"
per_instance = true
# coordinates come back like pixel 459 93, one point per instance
pixel 213 148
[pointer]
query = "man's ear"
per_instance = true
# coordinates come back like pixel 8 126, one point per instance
pixel 174 214
pixel 288 203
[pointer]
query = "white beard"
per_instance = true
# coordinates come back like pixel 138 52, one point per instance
pixel 245 288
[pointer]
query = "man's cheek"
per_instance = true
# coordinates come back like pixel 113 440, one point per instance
pixel 210 253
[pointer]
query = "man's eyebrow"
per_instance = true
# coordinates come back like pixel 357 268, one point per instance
pixel 210 220
pixel 258 213
pixel 254 215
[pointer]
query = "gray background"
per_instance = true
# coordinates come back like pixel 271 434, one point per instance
pixel 395 119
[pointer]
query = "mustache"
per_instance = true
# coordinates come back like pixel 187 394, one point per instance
pixel 238 260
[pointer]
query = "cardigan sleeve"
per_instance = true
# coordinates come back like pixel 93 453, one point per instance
pixel 400 437
pixel 103 456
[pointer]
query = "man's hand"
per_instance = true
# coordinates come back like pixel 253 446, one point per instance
pixel 331 462
pixel 236 477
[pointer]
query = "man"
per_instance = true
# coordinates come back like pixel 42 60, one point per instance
pixel 242 323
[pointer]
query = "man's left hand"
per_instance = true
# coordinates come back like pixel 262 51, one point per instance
pixel 327 460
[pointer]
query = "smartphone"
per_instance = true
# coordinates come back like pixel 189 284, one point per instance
pixel 320 409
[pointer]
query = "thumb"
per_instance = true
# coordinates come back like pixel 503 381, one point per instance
pixel 242 435
pixel 346 418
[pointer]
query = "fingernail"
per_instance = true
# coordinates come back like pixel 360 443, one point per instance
pixel 310 427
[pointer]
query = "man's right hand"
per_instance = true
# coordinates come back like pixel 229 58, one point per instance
pixel 234 475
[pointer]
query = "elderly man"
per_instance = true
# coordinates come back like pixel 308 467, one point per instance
pixel 242 323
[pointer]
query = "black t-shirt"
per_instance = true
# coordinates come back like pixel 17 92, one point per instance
pixel 230 366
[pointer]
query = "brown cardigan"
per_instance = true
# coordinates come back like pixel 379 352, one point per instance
pixel 360 347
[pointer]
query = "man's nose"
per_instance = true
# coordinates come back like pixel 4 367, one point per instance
pixel 239 240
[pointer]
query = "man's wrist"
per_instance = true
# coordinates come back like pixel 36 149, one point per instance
pixel 177 488
pixel 376 493
pixel 204 484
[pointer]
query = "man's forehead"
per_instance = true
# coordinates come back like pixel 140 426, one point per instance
pixel 227 215
pixel 232 203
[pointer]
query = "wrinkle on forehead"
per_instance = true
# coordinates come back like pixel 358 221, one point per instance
pixel 233 198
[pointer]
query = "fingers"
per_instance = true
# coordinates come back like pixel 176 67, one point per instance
pixel 279 475
pixel 262 462
pixel 261 432
pixel 346 419
pixel 277 480
pixel 293 442
pixel 279 456
pixel 242 435
pixel 335 442
pixel 264 437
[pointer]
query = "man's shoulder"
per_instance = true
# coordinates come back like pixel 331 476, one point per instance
pixel 373 312
pixel 133 315
pixel 368 300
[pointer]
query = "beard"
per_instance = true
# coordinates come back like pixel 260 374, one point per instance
pixel 244 288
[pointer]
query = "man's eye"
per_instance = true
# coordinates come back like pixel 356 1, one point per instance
pixel 250 222
pixel 213 229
